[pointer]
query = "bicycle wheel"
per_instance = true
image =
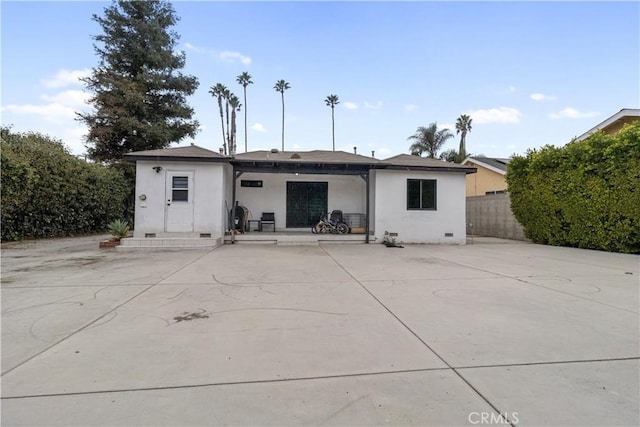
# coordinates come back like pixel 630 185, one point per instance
pixel 343 228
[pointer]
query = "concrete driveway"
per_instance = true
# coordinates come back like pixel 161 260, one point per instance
pixel 492 333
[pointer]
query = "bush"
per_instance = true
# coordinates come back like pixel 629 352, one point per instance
pixel 47 192
pixel 585 194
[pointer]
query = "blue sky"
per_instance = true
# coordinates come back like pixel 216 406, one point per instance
pixel 528 73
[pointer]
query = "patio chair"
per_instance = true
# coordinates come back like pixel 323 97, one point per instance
pixel 268 218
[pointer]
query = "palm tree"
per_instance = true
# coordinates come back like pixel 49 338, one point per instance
pixel 463 126
pixel 429 140
pixel 227 94
pixel 332 101
pixel 218 91
pixel 281 86
pixel 245 80
pixel 234 102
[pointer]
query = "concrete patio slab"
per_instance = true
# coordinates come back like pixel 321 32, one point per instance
pixel 474 322
pixel 330 334
pixel 572 394
pixel 434 398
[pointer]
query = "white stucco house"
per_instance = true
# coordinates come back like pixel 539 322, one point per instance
pixel 189 192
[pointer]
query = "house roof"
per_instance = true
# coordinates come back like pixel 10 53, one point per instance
pixel 496 164
pixel 409 161
pixel 315 156
pixel 316 161
pixel 188 153
pixel 624 116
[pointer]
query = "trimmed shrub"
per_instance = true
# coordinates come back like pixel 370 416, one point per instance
pixel 47 192
pixel 585 194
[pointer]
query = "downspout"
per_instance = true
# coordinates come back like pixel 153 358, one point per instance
pixel 231 213
pixel 366 239
pixel 365 177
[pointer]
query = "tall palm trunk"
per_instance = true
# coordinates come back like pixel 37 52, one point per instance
pixel 282 120
pixel 333 128
pixel 245 119
pixel 463 149
pixel 224 144
pixel 233 129
pixel 227 116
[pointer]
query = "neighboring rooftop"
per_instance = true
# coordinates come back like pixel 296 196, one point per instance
pixel 498 164
pixel 614 123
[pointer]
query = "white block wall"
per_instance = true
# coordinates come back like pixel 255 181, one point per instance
pixel 420 226
pixel 209 193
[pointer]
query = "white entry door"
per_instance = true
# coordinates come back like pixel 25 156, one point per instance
pixel 179 204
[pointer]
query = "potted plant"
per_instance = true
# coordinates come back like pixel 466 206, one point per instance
pixel 119 230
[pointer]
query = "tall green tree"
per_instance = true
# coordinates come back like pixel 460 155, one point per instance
pixel 138 91
pixel 463 126
pixel 281 86
pixel 332 101
pixel 245 80
pixel 429 140
pixel 218 92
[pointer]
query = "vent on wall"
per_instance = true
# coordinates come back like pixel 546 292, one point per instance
pixel 149 234
pixel 250 183
pixel 448 234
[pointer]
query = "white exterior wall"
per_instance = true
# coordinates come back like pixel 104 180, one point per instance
pixel 420 226
pixel 345 192
pixel 207 192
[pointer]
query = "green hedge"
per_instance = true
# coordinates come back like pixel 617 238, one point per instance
pixel 47 192
pixel 585 194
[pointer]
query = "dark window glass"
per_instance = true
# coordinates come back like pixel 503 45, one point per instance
pixel 180 182
pixel 180 196
pixel 180 190
pixel 421 194
pixel 413 194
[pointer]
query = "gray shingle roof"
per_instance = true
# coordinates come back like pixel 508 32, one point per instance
pixel 316 156
pixel 191 151
pixel 496 162
pixel 292 158
pixel 417 162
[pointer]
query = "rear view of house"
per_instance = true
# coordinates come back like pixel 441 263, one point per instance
pixel 189 193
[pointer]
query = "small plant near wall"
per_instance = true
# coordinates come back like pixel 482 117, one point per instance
pixel 118 229
pixel 391 240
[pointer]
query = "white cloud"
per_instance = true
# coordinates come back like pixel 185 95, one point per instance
pixel 224 56
pixel 376 106
pixel 449 126
pixel 258 127
pixel 495 115
pixel 350 105
pixel 69 98
pixel 66 78
pixel 572 113
pixel 512 89
pixel 542 97
pixel 52 112
pixel 229 56
pixel 410 107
